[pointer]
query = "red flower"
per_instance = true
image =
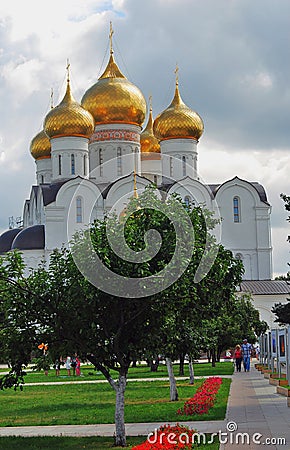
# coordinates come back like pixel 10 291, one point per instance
pixel 171 437
pixel 203 399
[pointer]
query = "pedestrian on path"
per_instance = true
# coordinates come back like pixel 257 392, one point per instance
pixel 68 365
pixel 246 350
pixel 238 357
pixel 57 367
pixel 78 366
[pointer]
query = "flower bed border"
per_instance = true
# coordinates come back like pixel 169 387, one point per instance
pixel 203 399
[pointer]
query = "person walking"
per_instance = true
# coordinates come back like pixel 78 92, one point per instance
pixel 73 364
pixel 246 351
pixel 57 367
pixel 78 366
pixel 238 357
pixel 68 364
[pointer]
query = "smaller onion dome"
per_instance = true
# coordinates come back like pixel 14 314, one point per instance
pixel 149 143
pixel 31 238
pixel 178 121
pixel 69 118
pixel 40 147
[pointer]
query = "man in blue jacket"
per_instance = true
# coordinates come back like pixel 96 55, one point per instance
pixel 246 350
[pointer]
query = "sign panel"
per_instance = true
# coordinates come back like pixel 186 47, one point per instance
pixel 282 345
pixel 273 344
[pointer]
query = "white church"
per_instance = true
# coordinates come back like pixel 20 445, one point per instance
pixel 89 157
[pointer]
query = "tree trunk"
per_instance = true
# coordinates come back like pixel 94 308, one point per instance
pixel 213 357
pixel 208 356
pixel 172 381
pixel 154 365
pixel 181 364
pixel 134 362
pixel 119 412
pixel 191 371
pixel 119 387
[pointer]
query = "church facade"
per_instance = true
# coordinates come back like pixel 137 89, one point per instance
pixel 90 155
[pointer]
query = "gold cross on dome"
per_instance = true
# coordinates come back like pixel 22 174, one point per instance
pixel 150 102
pixel 176 73
pixel 67 68
pixel 51 98
pixel 111 37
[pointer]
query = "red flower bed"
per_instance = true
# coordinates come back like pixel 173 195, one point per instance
pixel 168 437
pixel 203 399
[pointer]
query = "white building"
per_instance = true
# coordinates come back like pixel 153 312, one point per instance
pixel 86 157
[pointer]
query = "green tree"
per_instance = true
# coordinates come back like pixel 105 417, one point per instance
pixel 59 306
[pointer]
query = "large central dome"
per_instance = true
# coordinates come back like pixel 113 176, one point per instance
pixel 114 99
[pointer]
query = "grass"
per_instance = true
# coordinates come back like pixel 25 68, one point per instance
pixel 83 404
pixel 142 371
pixel 73 443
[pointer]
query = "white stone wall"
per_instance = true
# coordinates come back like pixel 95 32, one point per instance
pixel 65 147
pixel 179 158
pixel 43 170
pixel 250 238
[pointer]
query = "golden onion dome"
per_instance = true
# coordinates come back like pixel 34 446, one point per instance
pixel 40 147
pixel 178 121
pixel 69 118
pixel 114 99
pixel 149 143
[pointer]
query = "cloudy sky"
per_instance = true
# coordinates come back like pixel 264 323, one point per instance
pixel 234 61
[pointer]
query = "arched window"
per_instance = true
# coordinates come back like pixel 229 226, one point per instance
pixel 187 200
pixel 183 166
pixel 236 209
pixel 101 162
pixel 79 210
pixel 239 256
pixel 171 166
pixel 85 165
pixel 41 179
pixel 73 165
pixel 155 179
pixel 59 164
pixel 119 161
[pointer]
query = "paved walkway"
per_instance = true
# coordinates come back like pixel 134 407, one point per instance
pixel 254 409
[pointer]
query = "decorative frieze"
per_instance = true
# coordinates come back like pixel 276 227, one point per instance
pixel 115 135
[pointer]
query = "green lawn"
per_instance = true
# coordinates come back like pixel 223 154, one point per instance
pixel 142 371
pixel 95 403
pixel 72 443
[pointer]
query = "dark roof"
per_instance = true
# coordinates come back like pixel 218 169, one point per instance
pixel 265 287
pixel 105 189
pixel 31 238
pixel 49 191
pixel 259 188
pixel 7 238
pixel 261 191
